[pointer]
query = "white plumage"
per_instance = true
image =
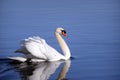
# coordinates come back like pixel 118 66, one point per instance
pixel 37 49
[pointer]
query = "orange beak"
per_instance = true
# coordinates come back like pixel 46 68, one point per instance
pixel 64 34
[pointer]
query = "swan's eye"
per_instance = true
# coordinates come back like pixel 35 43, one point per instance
pixel 64 33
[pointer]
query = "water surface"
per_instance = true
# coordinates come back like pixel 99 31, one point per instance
pixel 93 29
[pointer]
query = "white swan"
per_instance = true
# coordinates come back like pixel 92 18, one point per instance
pixel 36 49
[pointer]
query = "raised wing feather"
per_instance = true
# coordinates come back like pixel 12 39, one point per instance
pixel 34 45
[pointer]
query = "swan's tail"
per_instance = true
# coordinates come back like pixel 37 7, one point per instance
pixel 23 59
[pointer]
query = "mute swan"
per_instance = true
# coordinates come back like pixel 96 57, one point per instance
pixel 36 49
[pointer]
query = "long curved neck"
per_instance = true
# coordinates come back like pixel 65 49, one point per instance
pixel 63 46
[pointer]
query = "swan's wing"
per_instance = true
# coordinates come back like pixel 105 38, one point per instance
pixel 39 48
pixel 35 46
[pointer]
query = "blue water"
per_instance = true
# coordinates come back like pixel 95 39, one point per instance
pixel 93 28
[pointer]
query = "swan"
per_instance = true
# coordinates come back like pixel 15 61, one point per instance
pixel 36 49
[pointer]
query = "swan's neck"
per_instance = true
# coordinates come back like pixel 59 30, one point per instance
pixel 63 46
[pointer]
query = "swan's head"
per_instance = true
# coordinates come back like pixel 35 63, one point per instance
pixel 61 31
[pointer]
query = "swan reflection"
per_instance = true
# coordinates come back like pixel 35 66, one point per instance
pixel 43 71
pixel 64 70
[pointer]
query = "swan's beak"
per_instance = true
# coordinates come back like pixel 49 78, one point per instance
pixel 64 33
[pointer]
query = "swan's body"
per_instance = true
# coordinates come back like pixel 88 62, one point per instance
pixel 37 49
